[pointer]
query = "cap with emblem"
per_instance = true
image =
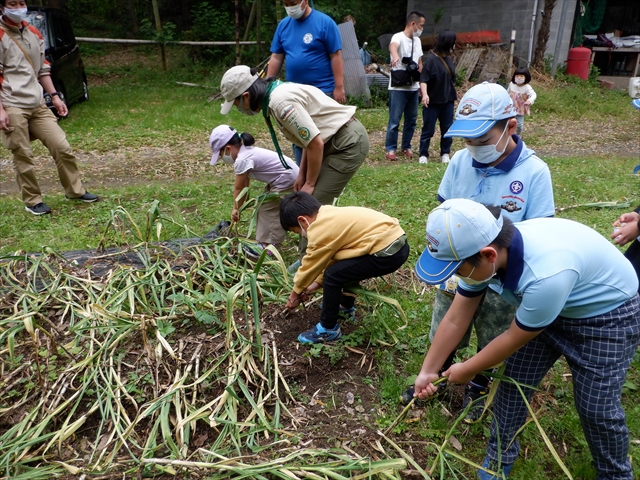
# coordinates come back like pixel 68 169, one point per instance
pixel 456 230
pixel 219 138
pixel 479 110
pixel 234 83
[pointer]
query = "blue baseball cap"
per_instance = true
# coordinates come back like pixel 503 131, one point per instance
pixel 479 110
pixel 456 230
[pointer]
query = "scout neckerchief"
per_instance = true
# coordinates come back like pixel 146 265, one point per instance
pixel 267 119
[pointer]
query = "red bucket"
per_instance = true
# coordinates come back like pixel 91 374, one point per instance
pixel 578 62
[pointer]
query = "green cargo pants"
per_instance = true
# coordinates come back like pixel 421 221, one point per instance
pixel 343 155
pixel 492 317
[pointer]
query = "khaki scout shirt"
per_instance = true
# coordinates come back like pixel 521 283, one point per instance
pixel 303 112
pixel 19 82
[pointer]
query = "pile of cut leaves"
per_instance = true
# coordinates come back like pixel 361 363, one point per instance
pixel 92 381
pixel 153 359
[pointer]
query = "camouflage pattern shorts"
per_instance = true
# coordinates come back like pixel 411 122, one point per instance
pixel 492 317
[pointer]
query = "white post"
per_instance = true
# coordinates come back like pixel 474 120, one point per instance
pixel 511 49
pixel 556 50
pixel 532 32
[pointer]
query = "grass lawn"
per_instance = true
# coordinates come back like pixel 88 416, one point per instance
pixel 142 139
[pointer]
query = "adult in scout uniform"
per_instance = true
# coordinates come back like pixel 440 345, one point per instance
pixel 24 114
pixel 335 143
pixel 627 229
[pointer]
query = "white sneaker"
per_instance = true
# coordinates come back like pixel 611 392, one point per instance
pixel 445 158
pixel 423 159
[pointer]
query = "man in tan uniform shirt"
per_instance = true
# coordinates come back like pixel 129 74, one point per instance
pixel 24 114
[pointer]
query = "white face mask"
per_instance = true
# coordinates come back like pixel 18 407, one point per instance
pixel 519 79
pixel 296 11
pixel 471 281
pixel 487 154
pixel 303 232
pixel 417 33
pixel 228 159
pixel 245 111
pixel 16 15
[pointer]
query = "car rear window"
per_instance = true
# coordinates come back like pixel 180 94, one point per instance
pixel 37 20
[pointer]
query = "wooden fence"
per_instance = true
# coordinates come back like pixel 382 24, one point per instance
pixel 153 42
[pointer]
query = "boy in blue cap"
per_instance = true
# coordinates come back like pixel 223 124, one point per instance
pixel 579 301
pixel 496 168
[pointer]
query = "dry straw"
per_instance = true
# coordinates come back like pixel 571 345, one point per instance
pixel 93 382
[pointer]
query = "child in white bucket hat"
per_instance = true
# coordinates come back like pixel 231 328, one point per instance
pixel 255 163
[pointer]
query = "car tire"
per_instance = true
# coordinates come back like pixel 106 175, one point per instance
pixel 85 91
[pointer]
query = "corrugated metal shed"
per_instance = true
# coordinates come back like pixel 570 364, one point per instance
pixel 355 83
pixel 377 79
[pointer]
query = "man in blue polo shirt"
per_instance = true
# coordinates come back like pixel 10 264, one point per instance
pixel 574 298
pixel 310 43
pixel 496 168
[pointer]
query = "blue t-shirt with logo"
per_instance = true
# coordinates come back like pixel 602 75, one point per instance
pixel 307 45
pixel 520 185
pixel 558 267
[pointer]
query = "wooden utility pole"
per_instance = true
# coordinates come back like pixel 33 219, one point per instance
pixel 156 14
pixel 237 5
pixel 258 32
pixel 252 16
pixel 278 11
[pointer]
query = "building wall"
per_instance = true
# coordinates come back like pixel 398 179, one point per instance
pixel 501 15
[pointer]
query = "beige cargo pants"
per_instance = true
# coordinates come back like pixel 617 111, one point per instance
pixel 39 124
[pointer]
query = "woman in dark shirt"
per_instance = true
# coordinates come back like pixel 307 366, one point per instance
pixel 438 90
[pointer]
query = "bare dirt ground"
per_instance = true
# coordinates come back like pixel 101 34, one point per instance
pixel 336 400
pixel 189 158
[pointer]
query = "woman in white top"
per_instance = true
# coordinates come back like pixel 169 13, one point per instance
pixel 255 163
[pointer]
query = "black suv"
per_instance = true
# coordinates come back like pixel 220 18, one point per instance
pixel 62 52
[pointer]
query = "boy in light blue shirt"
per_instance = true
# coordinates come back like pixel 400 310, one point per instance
pixel 495 168
pixel 578 299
